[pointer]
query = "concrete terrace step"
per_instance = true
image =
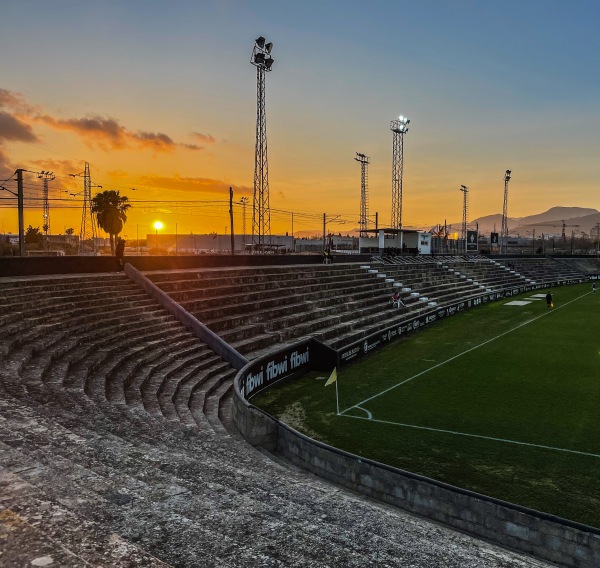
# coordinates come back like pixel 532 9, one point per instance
pixel 123 487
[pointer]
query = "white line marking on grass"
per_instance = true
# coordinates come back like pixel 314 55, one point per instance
pixel 475 436
pixel 461 354
pixel 369 415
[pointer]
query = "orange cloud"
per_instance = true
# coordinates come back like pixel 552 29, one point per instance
pixel 108 133
pixel 11 128
pixel 204 138
pixel 199 185
pixel 15 101
pixel 58 166
pixel 105 132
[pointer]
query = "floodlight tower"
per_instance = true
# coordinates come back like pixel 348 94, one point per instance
pixel 399 128
pixel 261 213
pixel 364 205
pixel 465 218
pixel 87 233
pixel 46 177
pixel 504 233
pixel 244 202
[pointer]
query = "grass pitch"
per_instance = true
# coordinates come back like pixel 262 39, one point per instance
pixel 502 399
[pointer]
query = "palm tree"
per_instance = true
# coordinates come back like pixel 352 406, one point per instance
pixel 111 212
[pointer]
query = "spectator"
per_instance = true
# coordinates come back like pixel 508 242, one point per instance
pixel 549 302
pixel 397 301
pixel 119 253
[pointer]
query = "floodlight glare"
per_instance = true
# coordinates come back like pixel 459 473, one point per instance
pixel 158 225
pixel 260 41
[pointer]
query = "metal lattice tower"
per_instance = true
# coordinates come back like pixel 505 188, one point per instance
pixel 87 233
pixel 504 232
pixel 465 219
pixel 399 128
pixel 364 203
pixel 244 202
pixel 46 177
pixel 261 212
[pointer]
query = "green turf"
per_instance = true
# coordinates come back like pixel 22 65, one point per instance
pixel 537 384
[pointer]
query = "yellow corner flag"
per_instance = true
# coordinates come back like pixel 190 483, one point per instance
pixel 333 377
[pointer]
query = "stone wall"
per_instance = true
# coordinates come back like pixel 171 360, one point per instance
pixel 544 536
pixel 27 266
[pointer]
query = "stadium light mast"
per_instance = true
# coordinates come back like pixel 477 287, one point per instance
pixel 364 204
pixel 261 213
pixel 465 219
pixel 399 128
pixel 504 233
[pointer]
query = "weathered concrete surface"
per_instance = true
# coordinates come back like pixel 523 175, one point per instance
pixel 104 463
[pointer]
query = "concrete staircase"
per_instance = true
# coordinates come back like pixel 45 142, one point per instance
pixel 112 453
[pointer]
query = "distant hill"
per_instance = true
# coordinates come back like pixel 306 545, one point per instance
pixel 548 222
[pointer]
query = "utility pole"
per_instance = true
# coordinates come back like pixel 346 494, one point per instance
pixel 244 201
pixel 364 204
pixel 46 177
pixel 504 234
pixel 231 220
pixel 324 228
pixel 19 173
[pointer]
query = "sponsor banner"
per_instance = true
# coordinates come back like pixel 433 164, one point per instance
pixel 494 239
pixel 268 370
pixel 472 241
pixel 375 341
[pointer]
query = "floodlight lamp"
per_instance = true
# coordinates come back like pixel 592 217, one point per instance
pixel 400 118
pixel 269 47
pixel 259 58
pixel 269 63
pixel 260 41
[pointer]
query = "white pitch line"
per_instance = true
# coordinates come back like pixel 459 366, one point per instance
pixel 505 440
pixel 460 355
pixel 369 415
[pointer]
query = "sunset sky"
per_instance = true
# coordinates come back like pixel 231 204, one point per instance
pixel 160 96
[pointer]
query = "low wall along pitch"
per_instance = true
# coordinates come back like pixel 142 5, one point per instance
pixel 545 536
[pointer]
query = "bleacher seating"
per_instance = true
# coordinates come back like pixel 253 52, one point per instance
pixel 114 447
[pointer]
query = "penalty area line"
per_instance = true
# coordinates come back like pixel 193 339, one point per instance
pixel 481 437
pixel 358 404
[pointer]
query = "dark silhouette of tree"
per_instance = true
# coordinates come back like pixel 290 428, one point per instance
pixel 111 212
pixel 33 236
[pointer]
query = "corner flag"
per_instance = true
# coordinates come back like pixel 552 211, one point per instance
pixel 333 377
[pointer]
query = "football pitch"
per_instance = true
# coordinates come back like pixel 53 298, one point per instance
pixel 503 399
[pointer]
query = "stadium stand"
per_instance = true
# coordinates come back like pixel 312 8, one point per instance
pixel 114 447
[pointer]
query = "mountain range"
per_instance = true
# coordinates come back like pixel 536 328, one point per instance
pixel 578 219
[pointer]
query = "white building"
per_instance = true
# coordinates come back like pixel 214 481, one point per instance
pixel 396 241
